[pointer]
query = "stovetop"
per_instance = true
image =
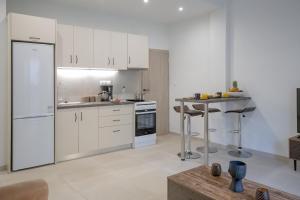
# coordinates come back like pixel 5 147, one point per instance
pixel 135 100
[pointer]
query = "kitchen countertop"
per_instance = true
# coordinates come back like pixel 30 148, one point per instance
pixel 90 104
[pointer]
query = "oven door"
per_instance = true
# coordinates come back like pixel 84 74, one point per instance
pixel 145 122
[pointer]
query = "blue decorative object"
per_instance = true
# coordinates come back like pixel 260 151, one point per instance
pixel 237 170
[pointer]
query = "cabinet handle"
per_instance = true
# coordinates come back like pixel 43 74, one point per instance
pixel 116 120
pixel 76 59
pixel 116 131
pixel 108 61
pixel 81 116
pixel 129 60
pixel 113 61
pixel 117 110
pixel 34 38
pixel 71 59
pixel 75 117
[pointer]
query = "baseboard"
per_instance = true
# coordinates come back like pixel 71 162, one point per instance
pixel 3 168
pixel 222 146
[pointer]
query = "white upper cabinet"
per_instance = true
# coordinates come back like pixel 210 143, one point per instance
pixel 110 50
pixel 102 49
pixel 31 28
pixel 65 41
pixel 83 47
pixel 74 46
pixel 119 50
pixel 88 48
pixel 138 52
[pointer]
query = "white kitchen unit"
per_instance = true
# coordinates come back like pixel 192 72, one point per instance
pixel 74 46
pixel 138 52
pixel 116 127
pixel 31 28
pixel 110 50
pixel 92 130
pixel 76 131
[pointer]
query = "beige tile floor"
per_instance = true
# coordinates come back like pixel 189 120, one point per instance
pixel 140 174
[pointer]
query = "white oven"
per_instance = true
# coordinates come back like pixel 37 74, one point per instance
pixel 145 123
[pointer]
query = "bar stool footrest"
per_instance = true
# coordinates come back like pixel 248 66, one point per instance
pixel 190 155
pixel 240 153
pixel 210 149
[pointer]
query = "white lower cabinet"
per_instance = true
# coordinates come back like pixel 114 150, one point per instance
pixel 116 126
pixel 115 136
pixel 86 130
pixel 76 132
pixel 66 137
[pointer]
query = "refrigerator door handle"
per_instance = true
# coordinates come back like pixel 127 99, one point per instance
pixel 35 116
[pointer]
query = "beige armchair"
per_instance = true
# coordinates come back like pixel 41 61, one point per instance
pixel 31 190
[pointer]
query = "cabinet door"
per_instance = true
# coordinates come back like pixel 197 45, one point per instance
pixel 66 133
pixel 102 49
pixel 119 50
pixel 88 130
pixel 138 51
pixel 31 28
pixel 83 47
pixel 116 136
pixel 65 46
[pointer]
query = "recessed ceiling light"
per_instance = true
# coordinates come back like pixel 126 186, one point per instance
pixel 146 1
pixel 180 9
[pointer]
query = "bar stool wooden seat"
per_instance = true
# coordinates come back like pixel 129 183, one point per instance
pixel 188 114
pixel 200 107
pixel 240 152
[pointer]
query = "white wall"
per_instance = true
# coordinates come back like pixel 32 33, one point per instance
pixel 65 14
pixel 265 60
pixel 197 64
pixel 3 82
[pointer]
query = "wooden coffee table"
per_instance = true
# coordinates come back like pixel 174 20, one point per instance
pixel 198 184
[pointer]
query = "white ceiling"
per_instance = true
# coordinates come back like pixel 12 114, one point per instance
pixel 159 11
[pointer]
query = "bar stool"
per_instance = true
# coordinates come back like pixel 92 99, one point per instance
pixel 200 107
pixel 240 152
pixel 188 114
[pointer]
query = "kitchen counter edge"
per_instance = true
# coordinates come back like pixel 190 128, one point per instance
pixel 97 104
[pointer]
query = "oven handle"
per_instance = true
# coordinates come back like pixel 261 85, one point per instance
pixel 143 113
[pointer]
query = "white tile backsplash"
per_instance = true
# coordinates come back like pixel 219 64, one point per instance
pixel 74 84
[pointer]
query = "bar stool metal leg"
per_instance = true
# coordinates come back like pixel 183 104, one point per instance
pixel 240 152
pixel 211 149
pixel 190 154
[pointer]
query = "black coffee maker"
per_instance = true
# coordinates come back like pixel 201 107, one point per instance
pixel 106 92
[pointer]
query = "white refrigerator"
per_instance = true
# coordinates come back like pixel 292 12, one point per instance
pixel 32 105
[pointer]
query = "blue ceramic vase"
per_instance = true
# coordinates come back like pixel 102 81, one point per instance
pixel 237 170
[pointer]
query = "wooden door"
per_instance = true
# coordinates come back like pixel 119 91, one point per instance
pixel 66 133
pixel 83 47
pixel 65 46
pixel 102 49
pixel 119 50
pixel 155 84
pixel 88 129
pixel 138 52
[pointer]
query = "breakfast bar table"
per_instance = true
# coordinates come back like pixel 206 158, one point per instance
pixel 206 106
